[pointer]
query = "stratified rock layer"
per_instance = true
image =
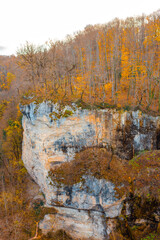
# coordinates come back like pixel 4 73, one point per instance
pixel 48 143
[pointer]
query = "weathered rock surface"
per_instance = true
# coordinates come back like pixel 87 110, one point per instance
pixel 48 143
pixel 80 224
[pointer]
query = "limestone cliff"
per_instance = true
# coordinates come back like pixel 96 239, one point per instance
pixel 52 137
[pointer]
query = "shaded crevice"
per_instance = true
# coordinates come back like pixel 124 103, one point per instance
pixel 158 141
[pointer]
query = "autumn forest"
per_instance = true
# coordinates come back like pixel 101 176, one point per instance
pixel 114 65
pixel 117 63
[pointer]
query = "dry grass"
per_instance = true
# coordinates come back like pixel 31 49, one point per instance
pixel 141 174
pixel 95 162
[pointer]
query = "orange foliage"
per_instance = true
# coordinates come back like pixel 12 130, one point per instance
pixel 116 63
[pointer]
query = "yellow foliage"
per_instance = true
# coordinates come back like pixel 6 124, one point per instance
pixel 6 82
pixel 108 86
pixel 18 111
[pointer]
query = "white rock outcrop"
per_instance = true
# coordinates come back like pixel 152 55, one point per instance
pixel 48 142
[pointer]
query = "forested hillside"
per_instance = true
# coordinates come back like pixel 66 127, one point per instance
pixel 114 65
pixel 117 63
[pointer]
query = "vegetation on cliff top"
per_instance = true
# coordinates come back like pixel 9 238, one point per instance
pixel 115 64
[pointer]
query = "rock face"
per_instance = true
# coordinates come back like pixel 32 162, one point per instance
pixel 48 142
pixel 80 224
